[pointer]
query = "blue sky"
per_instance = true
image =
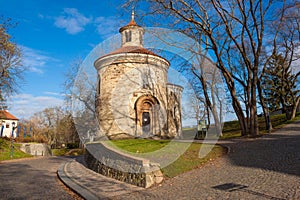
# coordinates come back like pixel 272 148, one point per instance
pixel 52 35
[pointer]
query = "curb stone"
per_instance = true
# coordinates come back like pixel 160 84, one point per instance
pixel 76 187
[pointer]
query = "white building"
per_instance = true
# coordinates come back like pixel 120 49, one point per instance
pixel 9 124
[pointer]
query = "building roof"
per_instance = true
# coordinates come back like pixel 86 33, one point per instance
pixel 132 23
pixel 4 114
pixel 132 49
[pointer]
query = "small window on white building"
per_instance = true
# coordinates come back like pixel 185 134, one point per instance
pixel 7 125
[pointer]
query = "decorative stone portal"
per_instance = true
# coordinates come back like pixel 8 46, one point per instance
pixel 146 115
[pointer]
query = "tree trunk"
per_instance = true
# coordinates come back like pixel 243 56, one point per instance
pixel 218 130
pixel 253 120
pixel 236 104
pixel 264 107
pixel 242 120
pixel 295 106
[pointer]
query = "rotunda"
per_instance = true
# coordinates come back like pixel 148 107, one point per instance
pixel 134 98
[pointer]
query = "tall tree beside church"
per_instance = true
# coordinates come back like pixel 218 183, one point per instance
pixel 10 61
pixel 231 27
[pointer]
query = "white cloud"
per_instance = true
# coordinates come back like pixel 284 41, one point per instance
pixel 53 93
pixel 25 105
pixel 75 22
pixel 296 62
pixel 35 60
pixel 71 20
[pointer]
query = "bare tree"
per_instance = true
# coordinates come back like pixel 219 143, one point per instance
pixel 226 28
pixel 210 81
pixel 79 86
pixel 54 125
pixel 285 42
pixel 195 108
pixel 10 61
pixel 288 46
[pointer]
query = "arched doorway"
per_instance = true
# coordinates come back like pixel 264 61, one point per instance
pixel 146 108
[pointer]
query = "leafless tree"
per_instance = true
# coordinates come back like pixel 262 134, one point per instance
pixel 11 67
pixel 225 28
pixel 55 125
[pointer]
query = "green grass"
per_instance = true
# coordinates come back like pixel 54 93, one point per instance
pixel 232 129
pixel 59 152
pixel 279 121
pixel 188 154
pixel 190 159
pixel 67 152
pixel 140 145
pixel 5 150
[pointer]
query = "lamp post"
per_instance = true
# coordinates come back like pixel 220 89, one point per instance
pixel 2 127
pixel 12 147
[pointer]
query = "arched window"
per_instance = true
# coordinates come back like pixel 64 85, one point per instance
pixel 128 36
pixel 141 38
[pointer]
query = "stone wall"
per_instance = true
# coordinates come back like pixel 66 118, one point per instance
pixel 36 149
pixel 174 110
pixel 109 162
pixel 123 79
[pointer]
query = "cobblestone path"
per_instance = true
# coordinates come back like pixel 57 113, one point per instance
pixel 262 168
pixel 32 179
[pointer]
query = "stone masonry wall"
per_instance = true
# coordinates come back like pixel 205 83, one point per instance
pixel 122 80
pixel 36 149
pixel 114 164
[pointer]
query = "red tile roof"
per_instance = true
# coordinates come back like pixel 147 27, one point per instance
pixel 133 49
pixel 132 23
pixel 4 114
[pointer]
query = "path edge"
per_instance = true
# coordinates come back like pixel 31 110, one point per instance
pixel 67 181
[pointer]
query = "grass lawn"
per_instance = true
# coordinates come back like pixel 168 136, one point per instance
pixel 67 152
pixel 232 129
pixel 188 158
pixel 140 145
pixel 5 150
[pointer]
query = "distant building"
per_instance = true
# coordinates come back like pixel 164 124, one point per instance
pixel 134 98
pixel 8 123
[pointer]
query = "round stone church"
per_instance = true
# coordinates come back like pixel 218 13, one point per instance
pixel 134 98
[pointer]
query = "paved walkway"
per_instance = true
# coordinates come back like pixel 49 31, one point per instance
pixel 33 178
pixel 262 168
pixel 91 185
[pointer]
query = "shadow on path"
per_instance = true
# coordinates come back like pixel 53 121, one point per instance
pixel 31 179
pixel 232 187
pixel 279 151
